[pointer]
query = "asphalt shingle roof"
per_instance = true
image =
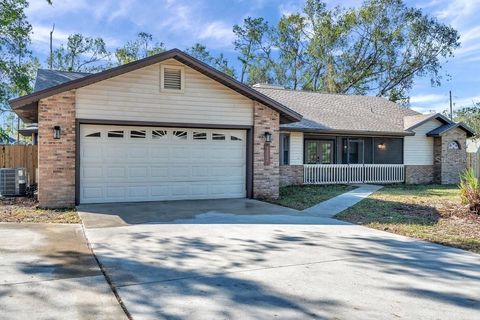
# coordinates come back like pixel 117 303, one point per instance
pixel 442 129
pixel 49 78
pixel 321 112
pixel 336 112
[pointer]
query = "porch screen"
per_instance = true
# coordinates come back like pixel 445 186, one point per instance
pixel 387 151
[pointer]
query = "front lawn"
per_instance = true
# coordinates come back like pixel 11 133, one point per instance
pixel 303 197
pixel 428 212
pixel 25 210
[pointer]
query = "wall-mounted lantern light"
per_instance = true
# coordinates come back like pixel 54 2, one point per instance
pixel 268 136
pixel 56 132
pixel 382 146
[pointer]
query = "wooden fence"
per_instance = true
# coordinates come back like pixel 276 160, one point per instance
pixel 473 161
pixel 20 156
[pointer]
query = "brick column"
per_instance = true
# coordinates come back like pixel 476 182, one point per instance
pixel 452 161
pixel 265 176
pixel 56 157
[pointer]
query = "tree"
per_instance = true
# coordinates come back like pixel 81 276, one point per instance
pixel 378 48
pixel 17 66
pixel 81 54
pixel 289 38
pixel 200 52
pixel 470 116
pixel 254 47
pixel 140 48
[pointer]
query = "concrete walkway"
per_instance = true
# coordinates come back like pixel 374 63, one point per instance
pixel 333 206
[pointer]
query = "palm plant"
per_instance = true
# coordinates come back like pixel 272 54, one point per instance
pixel 470 190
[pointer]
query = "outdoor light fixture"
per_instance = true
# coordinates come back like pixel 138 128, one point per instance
pixel 56 132
pixel 381 146
pixel 268 137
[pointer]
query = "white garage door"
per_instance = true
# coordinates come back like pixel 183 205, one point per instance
pixel 121 164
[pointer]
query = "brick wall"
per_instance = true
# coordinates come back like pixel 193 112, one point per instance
pixel 453 161
pixel 265 177
pixel 419 174
pixel 291 175
pixel 437 160
pixel 56 157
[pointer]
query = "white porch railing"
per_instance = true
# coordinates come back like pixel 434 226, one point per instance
pixel 353 173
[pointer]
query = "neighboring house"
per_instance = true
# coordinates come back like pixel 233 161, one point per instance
pixel 8 140
pixel 169 127
pixel 30 131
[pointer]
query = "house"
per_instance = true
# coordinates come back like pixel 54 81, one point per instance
pixel 170 127
pixel 8 140
pixel 30 131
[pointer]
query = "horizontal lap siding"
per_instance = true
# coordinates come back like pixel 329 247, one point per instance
pixel 136 96
pixel 296 148
pixel 419 148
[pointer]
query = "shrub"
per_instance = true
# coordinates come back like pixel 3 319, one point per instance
pixel 470 190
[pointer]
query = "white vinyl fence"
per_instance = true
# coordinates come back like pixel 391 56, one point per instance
pixel 353 173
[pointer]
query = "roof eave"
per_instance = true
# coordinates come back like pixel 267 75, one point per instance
pixel 350 132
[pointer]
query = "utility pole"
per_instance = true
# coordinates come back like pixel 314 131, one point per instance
pixel 451 105
pixel 51 48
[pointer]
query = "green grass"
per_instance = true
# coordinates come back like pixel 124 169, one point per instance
pixel 303 197
pixel 429 212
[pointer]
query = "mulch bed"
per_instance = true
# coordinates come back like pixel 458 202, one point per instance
pixel 25 209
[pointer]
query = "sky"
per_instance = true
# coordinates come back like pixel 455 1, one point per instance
pixel 181 23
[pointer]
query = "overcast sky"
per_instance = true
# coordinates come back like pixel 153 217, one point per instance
pixel 181 23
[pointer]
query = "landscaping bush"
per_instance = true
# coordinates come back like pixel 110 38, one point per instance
pixel 470 190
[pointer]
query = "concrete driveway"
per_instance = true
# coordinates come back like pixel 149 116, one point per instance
pixel 47 271
pixel 244 259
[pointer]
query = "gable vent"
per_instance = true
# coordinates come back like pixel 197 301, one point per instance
pixel 172 79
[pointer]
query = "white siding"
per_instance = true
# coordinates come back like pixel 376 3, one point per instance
pixel 419 148
pixel 296 148
pixel 136 96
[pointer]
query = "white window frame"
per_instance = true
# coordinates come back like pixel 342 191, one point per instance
pixel 182 78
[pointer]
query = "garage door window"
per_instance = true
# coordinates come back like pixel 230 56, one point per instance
pixel 138 134
pixel 218 136
pixel 93 135
pixel 182 135
pixel 234 138
pixel 115 134
pixel 199 136
pixel 159 134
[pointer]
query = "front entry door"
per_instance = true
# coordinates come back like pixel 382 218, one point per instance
pixel 319 151
pixel 356 152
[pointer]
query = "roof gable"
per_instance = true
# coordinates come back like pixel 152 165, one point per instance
pixel 412 122
pixel 30 100
pixel 438 132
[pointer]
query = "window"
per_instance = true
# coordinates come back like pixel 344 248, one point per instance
pixel 93 135
pixel 284 149
pixel 115 134
pixel 218 136
pixel 138 134
pixel 159 134
pixel 182 135
pixel 172 78
pixel 199 136
pixel 454 145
